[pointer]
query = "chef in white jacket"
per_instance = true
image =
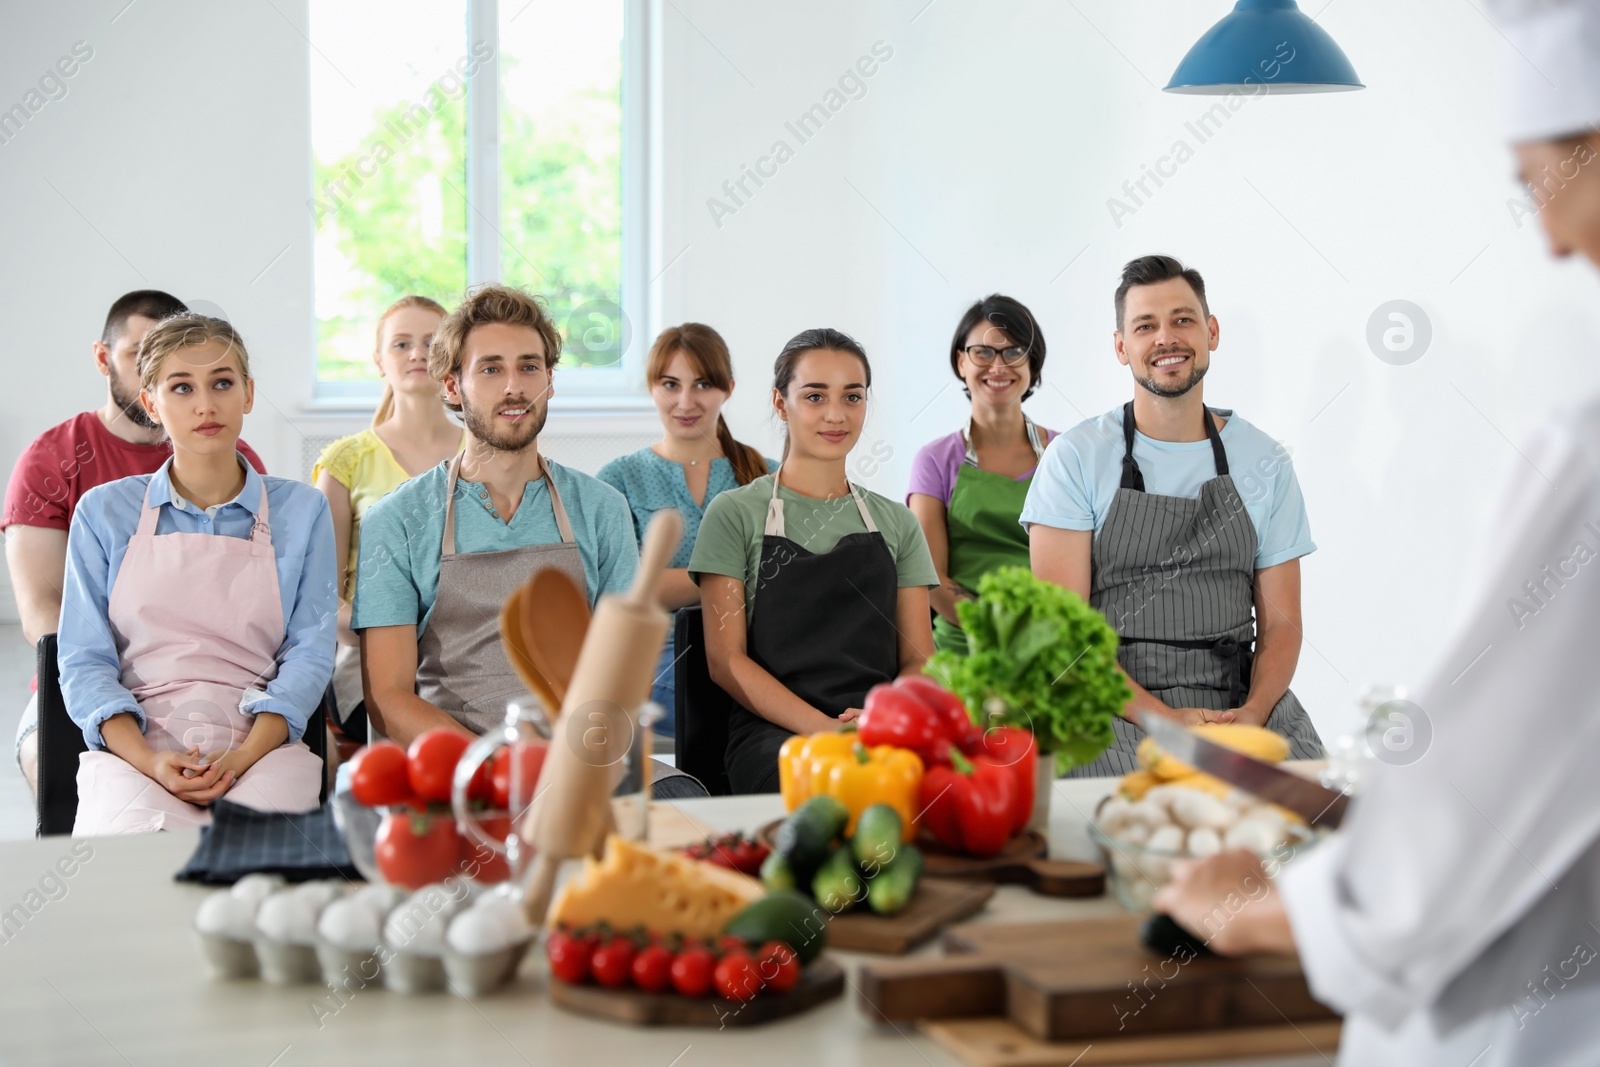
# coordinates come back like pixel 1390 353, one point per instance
pixel 1455 918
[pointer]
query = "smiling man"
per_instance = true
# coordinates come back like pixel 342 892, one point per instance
pixel 1183 524
pixel 440 554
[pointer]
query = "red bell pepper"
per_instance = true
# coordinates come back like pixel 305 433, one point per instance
pixel 969 806
pixel 918 714
pixel 1013 748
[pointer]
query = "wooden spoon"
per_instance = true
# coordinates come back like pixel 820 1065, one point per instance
pixel 511 636
pixel 555 620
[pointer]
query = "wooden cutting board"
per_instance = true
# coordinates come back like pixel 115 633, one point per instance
pixel 819 983
pixel 1000 1043
pixel 1087 979
pixel 937 903
pixel 1021 861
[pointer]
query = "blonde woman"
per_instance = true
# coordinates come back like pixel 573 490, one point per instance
pixel 197 619
pixel 411 432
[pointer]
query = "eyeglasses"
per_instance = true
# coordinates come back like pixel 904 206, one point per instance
pixel 983 355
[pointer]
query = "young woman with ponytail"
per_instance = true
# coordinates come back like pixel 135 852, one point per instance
pixel 690 375
pixel 411 432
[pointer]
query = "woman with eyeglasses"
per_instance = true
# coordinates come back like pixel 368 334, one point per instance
pixel 967 488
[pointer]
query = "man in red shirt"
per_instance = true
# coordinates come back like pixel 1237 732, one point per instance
pixel 113 441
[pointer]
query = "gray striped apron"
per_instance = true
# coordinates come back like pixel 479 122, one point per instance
pixel 1175 577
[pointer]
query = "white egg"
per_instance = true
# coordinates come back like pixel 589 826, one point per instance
pixel 287 917
pixel 1113 814
pixel 1135 832
pixel 226 915
pixel 477 931
pixel 1168 838
pixel 1197 810
pixel 1161 796
pixel 257 887
pixel 1239 800
pixel 349 925
pixel 380 900
pixel 418 926
pixel 1204 842
pixel 318 894
pixel 1149 813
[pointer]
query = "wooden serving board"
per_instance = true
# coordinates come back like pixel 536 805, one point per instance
pixel 1021 861
pixel 819 983
pixel 937 903
pixel 1001 1043
pixel 1087 980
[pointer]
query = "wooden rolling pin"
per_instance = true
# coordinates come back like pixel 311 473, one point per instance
pixel 599 717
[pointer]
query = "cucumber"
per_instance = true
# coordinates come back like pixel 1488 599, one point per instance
pixel 776 873
pixel 786 916
pixel 807 835
pixel 838 886
pixel 877 837
pixel 891 890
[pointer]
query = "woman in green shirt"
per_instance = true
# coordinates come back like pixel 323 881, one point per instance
pixel 813 589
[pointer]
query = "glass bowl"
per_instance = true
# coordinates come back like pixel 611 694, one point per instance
pixel 1135 871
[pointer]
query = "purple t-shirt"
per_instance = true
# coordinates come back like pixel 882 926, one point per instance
pixel 933 472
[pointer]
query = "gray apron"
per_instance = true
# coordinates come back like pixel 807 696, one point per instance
pixel 461 664
pixel 1175 577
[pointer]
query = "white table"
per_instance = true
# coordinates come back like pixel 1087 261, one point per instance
pixel 107 972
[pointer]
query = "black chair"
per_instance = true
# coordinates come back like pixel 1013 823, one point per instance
pixel 701 708
pixel 61 742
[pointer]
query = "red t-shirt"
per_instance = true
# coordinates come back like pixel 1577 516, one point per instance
pixel 68 460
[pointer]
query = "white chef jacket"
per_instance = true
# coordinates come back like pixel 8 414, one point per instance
pixel 1455 918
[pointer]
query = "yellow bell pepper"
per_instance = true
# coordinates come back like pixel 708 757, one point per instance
pixel 839 766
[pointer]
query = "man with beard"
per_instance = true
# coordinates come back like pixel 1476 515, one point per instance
pixel 1182 524
pixel 113 441
pixel 440 554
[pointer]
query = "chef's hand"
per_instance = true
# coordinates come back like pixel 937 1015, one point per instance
pixel 1228 901
pixel 1196 716
pixel 849 715
pixel 202 786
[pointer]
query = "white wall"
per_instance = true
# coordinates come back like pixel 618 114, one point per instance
pixel 980 159
pixel 990 144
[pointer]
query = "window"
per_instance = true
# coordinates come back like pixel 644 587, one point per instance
pixel 414 193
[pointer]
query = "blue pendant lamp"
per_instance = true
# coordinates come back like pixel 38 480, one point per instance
pixel 1269 43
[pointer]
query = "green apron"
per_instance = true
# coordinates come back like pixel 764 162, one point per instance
pixel 983 529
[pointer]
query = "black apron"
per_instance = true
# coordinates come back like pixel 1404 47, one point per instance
pixel 1175 577
pixel 811 631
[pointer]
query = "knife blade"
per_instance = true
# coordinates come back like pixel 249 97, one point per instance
pixel 1317 804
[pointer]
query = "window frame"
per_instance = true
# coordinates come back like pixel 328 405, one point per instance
pixel 606 391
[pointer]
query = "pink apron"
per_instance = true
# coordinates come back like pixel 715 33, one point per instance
pixel 198 619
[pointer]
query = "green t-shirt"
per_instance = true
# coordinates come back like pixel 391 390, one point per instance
pixel 731 532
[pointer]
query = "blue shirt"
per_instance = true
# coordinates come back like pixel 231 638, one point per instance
pixel 402 536
pixel 1082 469
pixel 302 542
pixel 651 483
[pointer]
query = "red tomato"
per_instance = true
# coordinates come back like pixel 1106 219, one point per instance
pixel 378 775
pixel 691 971
pixel 652 969
pixel 431 761
pixel 737 977
pixel 416 850
pixel 728 943
pixel 780 967
pixel 480 862
pixel 612 963
pixel 532 755
pixel 569 957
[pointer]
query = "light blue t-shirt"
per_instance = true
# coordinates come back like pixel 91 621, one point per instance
pixel 1082 469
pixel 397 579
pixel 651 483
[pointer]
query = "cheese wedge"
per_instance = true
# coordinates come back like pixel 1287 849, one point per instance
pixel 664 892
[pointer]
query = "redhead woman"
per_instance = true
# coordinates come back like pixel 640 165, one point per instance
pixel 690 374
pixel 197 622
pixel 814 589
pixel 411 432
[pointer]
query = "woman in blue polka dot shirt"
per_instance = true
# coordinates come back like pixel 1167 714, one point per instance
pixel 690 375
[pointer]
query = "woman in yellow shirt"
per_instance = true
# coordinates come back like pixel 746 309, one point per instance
pixel 411 432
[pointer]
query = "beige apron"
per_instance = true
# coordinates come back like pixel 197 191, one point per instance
pixel 461 664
